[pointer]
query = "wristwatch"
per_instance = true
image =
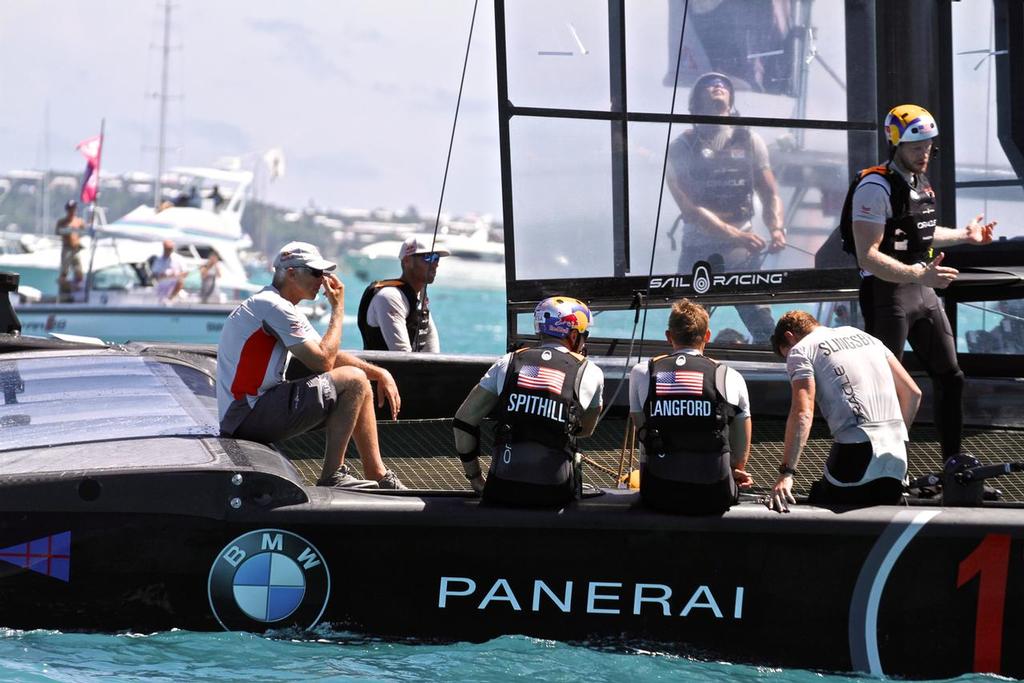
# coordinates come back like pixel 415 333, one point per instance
pixel 786 469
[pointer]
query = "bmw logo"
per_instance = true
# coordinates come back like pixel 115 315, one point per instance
pixel 268 578
pixel 701 281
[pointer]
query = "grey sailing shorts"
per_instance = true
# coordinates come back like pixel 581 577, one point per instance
pixel 288 409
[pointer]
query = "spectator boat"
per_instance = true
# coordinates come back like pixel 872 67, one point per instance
pixel 121 300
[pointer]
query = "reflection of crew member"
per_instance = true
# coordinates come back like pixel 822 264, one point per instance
pixel 866 397
pixel 392 313
pixel 894 231
pixel 693 420
pixel 69 227
pixel 713 172
pixel 546 397
pixel 169 271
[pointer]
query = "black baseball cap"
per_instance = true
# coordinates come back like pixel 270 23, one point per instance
pixel 70 204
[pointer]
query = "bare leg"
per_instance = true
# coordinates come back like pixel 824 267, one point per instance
pixel 365 436
pixel 352 417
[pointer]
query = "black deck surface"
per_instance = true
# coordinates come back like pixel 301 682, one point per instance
pixel 422 454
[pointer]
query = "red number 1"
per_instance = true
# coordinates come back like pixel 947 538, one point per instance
pixel 991 561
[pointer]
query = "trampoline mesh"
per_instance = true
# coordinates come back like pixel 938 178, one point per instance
pixel 422 454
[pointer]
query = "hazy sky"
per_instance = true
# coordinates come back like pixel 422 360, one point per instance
pixel 360 94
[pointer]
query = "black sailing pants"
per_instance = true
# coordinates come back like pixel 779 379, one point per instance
pixel 898 313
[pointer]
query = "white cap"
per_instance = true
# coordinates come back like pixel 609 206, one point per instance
pixel 414 245
pixel 302 254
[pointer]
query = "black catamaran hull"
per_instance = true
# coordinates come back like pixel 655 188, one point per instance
pixel 912 591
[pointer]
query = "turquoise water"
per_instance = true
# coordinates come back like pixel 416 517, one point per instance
pixel 468 322
pixel 184 656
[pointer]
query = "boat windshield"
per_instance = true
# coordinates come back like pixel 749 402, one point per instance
pixel 51 401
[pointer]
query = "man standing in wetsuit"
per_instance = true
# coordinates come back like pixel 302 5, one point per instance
pixel 895 232
pixel 867 398
pixel 545 398
pixel 392 313
pixel 713 172
pixel 693 422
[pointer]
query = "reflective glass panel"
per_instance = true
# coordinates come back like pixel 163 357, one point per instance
pixel 785 59
pixel 731 326
pixel 990 327
pixel 561 193
pixel 726 186
pixel 557 53
pixel 979 153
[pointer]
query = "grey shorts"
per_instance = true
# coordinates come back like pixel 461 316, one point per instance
pixel 288 409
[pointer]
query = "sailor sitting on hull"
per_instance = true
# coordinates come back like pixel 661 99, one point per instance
pixel 693 420
pixel 545 398
pixel 866 396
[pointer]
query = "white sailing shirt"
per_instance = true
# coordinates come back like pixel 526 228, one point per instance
pixel 856 393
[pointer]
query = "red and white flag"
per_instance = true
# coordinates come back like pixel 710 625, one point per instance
pixel 91 149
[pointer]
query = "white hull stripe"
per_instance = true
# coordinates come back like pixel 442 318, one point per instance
pixel 867 593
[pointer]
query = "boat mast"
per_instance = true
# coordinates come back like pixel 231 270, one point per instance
pixel 165 59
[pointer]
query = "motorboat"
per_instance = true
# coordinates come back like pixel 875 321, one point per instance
pixel 119 300
pixel 477 261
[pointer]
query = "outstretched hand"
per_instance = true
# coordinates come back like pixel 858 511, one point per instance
pixel 937 275
pixel 782 494
pixel 978 232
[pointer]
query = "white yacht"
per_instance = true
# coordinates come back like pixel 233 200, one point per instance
pixel 120 302
pixel 477 260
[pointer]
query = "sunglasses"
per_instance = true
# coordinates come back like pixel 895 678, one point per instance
pixel 318 274
pixel 716 83
pixel 432 257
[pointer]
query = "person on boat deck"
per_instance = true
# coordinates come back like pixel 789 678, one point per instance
pixel 546 397
pixel 71 274
pixel 394 315
pixel 254 400
pixel 713 172
pixel 894 232
pixel 169 270
pixel 211 272
pixel 867 398
pixel 692 417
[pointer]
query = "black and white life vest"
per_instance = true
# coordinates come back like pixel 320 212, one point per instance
pixel 538 418
pixel 416 321
pixel 910 230
pixel 721 181
pixel 685 433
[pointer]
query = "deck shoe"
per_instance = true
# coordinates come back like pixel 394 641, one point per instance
pixel 390 481
pixel 343 478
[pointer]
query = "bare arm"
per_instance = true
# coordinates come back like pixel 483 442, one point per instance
pixel 976 232
pixel 322 357
pixel 798 428
pixel 867 237
pixel 739 446
pixel 907 391
pixel 767 189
